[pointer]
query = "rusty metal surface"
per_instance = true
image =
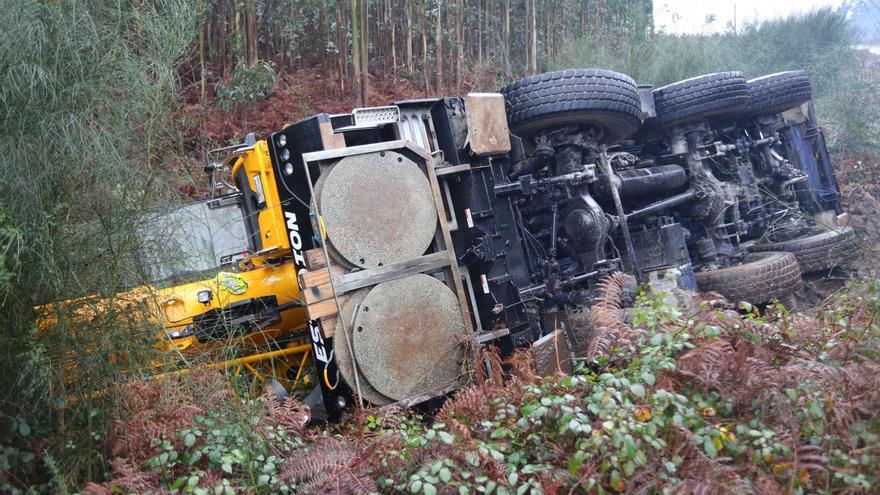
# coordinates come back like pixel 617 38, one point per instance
pixel 343 358
pixel 487 124
pixel 409 336
pixel 377 209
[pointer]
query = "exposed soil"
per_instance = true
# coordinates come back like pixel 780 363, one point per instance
pixel 295 96
pixel 859 178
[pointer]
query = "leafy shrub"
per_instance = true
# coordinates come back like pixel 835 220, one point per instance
pixel 192 434
pixel 246 87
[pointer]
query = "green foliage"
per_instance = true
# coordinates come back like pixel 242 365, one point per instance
pixel 227 450
pixel 10 246
pixel 616 427
pixel 87 91
pixel 233 448
pixel 247 86
pixel 612 419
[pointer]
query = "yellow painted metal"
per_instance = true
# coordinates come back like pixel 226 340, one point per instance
pixel 264 365
pixel 263 281
pixel 257 164
pixel 270 272
pixel 174 308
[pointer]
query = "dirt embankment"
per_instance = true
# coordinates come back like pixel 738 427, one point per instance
pixel 295 96
pixel 859 179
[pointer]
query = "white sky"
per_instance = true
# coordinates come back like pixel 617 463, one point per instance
pixel 689 16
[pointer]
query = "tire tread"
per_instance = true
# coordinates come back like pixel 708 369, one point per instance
pixel 778 92
pixel 578 93
pixel 818 252
pixel 701 98
pixel 771 275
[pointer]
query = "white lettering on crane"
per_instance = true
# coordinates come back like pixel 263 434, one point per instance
pixel 296 246
pixel 295 239
pixel 318 342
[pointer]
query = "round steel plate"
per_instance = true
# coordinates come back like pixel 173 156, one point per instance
pixel 409 336
pixel 377 208
pixel 343 358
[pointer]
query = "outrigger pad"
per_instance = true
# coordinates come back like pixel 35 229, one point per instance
pixel 343 357
pixel 409 337
pixel 377 209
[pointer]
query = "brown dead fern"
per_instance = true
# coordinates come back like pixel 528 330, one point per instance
pixel 128 477
pixel 334 466
pixel 522 366
pixel 289 413
pixel 490 370
pixel 607 319
pixel 469 403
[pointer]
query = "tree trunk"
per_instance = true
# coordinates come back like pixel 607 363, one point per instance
pixel 506 38
pixel 409 37
pixel 534 43
pixel 438 47
pixel 459 43
pixel 222 34
pixel 548 14
pixel 365 46
pixel 202 69
pixel 341 47
pixel 423 25
pixel 528 36
pixel 393 22
pixel 250 33
pixel 480 33
pixel 236 26
pixel 356 50
pixel 582 20
pixel 321 50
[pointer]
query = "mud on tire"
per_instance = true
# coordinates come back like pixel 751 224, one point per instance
pixel 606 99
pixel 762 277
pixel 818 252
pixel 709 97
pixel 778 92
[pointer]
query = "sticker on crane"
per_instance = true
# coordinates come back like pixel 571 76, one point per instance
pixel 469 218
pixel 485 283
pixel 232 283
pixel 258 188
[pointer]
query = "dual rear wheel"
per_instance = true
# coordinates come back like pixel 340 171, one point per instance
pixel 773 269
pixel 610 101
pixel 606 100
pixel 821 250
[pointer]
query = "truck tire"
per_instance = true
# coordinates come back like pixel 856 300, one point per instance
pixel 762 277
pixel 710 97
pixel 778 92
pixel 608 100
pixel 818 252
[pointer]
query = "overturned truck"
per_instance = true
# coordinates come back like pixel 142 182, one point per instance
pixel 422 230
